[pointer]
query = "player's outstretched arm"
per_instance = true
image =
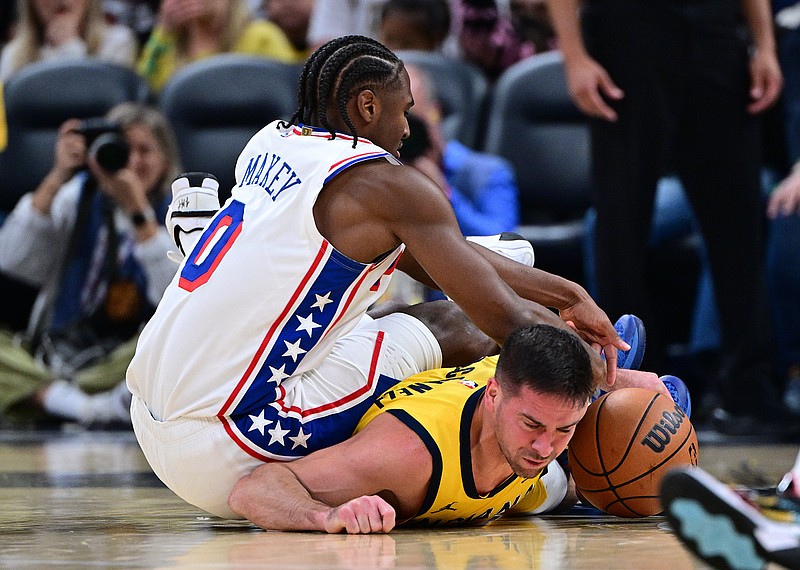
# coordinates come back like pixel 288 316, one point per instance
pixel 341 488
pixel 273 498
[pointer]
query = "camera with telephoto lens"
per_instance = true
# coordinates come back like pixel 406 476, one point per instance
pixel 105 143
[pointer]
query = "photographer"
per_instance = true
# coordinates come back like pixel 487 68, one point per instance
pixel 92 237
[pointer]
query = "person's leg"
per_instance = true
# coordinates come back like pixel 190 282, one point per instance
pixel 673 218
pixel 718 161
pixel 21 376
pixel 783 284
pixel 789 55
pixel 460 341
pixel 635 44
pixel 107 372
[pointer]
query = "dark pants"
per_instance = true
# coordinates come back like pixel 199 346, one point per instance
pixel 684 69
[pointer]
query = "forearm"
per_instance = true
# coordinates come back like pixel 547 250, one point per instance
pixel 534 284
pixel 759 20
pixel 273 498
pixel 564 15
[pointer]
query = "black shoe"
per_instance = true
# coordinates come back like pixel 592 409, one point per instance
pixel 730 423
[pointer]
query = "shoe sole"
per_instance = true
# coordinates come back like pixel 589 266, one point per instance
pixel 712 521
pixel 633 357
pixel 679 391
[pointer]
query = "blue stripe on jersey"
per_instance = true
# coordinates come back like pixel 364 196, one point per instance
pixel 287 437
pixel 302 330
pixel 350 163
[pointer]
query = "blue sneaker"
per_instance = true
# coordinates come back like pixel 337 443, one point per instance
pixel 631 329
pixel 679 392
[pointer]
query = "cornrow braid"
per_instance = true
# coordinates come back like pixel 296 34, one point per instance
pixel 337 71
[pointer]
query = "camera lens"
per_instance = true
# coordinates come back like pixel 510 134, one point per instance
pixel 110 151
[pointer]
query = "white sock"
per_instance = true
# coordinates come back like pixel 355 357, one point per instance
pixel 65 400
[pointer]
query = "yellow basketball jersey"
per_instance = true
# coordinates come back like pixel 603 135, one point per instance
pixel 438 405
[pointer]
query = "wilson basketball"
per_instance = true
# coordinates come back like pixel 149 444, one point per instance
pixel 623 446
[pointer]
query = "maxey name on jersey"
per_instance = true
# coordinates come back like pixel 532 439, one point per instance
pixel 271 172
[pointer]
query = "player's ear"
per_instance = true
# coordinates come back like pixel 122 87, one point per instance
pixel 492 391
pixel 367 105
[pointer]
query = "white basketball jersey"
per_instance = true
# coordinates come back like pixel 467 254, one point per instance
pixel 263 295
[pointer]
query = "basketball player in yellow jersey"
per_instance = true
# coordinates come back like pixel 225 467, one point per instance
pixel 447 446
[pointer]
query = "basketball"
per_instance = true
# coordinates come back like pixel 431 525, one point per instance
pixel 623 447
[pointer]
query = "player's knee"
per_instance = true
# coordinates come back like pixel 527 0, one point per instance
pixel 460 340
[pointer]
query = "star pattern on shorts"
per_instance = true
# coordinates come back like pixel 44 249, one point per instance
pixel 277 434
pixel 322 300
pixel 300 439
pixel 293 349
pixel 259 422
pixel 278 374
pixel 307 324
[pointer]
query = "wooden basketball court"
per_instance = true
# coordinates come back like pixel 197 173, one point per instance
pixel 82 499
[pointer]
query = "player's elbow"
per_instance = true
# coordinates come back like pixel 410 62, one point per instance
pixel 240 497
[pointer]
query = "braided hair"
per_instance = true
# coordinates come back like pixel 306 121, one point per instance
pixel 337 72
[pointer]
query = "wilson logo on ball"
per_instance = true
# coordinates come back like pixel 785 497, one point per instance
pixel 661 433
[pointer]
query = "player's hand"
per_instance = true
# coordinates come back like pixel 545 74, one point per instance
pixel 594 327
pixel 361 516
pixel 590 85
pixel 785 199
pixel 639 379
pixel 766 80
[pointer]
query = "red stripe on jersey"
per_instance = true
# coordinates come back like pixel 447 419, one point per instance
pixel 354 157
pixel 273 328
pixel 373 367
pixel 226 423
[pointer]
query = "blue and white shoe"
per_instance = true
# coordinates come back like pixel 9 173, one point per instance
pixel 631 329
pixel 679 392
pixel 721 528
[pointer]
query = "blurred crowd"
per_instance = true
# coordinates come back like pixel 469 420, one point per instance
pixel 89 239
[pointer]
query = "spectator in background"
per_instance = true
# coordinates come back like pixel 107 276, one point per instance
pixel 783 210
pixel 482 188
pixel 415 24
pixel 335 18
pixel 92 238
pixel 682 79
pixel 488 39
pixel 138 15
pixel 293 17
pixel 62 30
pixel 783 281
pixel 531 19
pixel 189 30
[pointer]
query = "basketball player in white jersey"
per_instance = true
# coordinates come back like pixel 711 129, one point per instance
pixel 261 349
